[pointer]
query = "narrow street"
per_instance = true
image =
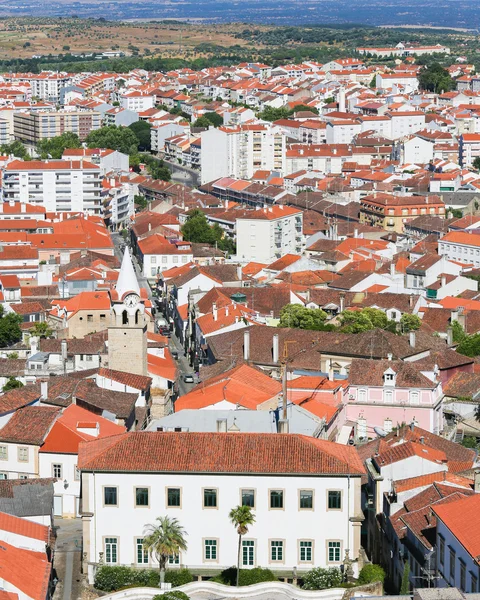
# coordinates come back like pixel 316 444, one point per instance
pixel 67 561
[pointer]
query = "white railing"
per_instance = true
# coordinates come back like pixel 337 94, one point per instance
pixel 217 591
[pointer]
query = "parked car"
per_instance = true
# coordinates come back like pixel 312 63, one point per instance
pixel 174 354
pixel 188 378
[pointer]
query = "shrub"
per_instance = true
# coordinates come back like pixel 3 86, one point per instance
pixel 321 579
pixel 371 573
pixel 178 577
pixel 246 577
pixel 110 579
pixel 173 595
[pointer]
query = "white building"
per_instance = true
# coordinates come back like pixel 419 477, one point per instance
pixel 307 519
pixel 461 247
pixel 406 122
pixel 269 233
pixel 469 148
pixel 137 101
pixel 56 185
pixel 157 254
pixel 240 151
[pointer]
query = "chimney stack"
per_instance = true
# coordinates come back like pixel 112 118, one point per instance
pixel 330 372
pixel 342 301
pixel 449 336
pixel 246 344
pixel 275 348
pixel 476 481
pixel 214 311
pixel 412 339
pixel 221 425
pixel 44 389
pixel 283 426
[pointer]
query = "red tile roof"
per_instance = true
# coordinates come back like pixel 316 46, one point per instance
pixel 24 527
pixel 29 425
pixel 25 570
pixel 219 453
pixel 461 518
pixel 138 382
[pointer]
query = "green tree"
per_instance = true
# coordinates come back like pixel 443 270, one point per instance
pixel 357 321
pixel 55 147
pixel 458 333
pixel 142 130
pixel 467 442
pixel 241 517
pixel 435 78
pixel 116 138
pixel 16 148
pixel 322 579
pixel 158 170
pixel 12 384
pixel 10 331
pixel 41 329
pixel 405 587
pixel 371 573
pixel 409 322
pixel 164 539
pixel 215 119
pixel 202 122
pixel 476 163
pixel 140 201
pixel 274 114
pixel 300 317
pixel 470 345
pixel 196 228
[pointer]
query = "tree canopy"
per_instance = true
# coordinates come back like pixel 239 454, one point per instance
pixel 10 331
pixel 409 322
pixel 122 139
pixel 54 147
pixel 435 78
pixel 16 148
pixel 301 317
pixel 12 384
pixel 141 129
pixel 357 321
pixel 197 230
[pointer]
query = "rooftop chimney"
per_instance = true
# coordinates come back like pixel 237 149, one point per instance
pixel 44 389
pixel 214 311
pixel 222 425
pixel 246 344
pixel 239 273
pixel 330 372
pixel 275 347
pixel 412 339
pixel 476 481
pixel 342 301
pixel 449 336
pixel 283 426
pixel 389 356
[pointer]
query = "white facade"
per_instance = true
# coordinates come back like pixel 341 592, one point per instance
pixel 136 101
pixel 67 488
pixel 155 263
pixel 316 536
pixel 266 239
pixel 18 461
pixel 239 152
pixel 57 186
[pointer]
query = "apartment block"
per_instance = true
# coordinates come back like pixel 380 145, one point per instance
pixel 58 185
pixel 31 127
pixel 240 151
pixel 269 233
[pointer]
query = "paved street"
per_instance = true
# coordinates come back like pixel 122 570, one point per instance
pixel 67 562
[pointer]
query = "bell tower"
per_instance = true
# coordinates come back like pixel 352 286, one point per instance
pixel 127 332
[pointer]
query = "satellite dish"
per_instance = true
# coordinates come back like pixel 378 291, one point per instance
pixel 379 431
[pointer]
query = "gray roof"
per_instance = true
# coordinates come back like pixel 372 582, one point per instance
pixel 26 497
pixel 249 421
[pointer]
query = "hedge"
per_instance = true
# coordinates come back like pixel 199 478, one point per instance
pixel 371 573
pixel 111 579
pixel 321 579
pixel 172 595
pixel 247 576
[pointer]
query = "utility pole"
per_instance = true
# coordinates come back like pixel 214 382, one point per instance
pixel 283 371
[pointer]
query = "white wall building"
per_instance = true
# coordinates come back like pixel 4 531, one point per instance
pixel 56 185
pixel 269 233
pixel 307 519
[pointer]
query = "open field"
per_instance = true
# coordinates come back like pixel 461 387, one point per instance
pixel 24 38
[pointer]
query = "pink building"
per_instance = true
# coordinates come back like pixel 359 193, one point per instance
pixel 387 393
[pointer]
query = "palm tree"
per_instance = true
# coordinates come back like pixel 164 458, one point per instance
pixel 163 540
pixel 241 517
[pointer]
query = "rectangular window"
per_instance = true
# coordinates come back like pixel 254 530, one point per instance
pixel 210 498
pixel 306 551
pixel 174 559
pixel 463 576
pixel 89 318
pixel 441 550
pixel 248 553
pixel 276 551
pixel 334 551
pixel 334 500
pixel 23 454
pixel 142 554
pixel 153 271
pixel 111 548
pixel 248 498
pixel 276 499
pixel 110 496
pixel 141 496
pixel 57 471
pixel 210 549
pixel 452 565
pixel 306 499
pixel 3 452
pixel 3 476
pixel 173 497
pixel 473 583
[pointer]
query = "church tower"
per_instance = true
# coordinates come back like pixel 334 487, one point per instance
pixel 127 333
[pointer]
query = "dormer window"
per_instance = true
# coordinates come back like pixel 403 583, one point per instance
pixel 389 377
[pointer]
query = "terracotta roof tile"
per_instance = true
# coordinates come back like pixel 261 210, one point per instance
pixel 219 453
pixel 29 425
pixel 461 518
